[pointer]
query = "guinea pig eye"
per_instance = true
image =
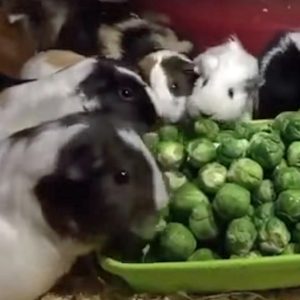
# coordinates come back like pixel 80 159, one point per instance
pixel 174 86
pixel 230 93
pixel 121 177
pixel 205 81
pixel 126 94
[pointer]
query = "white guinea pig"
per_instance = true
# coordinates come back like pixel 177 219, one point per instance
pixel 68 187
pixel 228 85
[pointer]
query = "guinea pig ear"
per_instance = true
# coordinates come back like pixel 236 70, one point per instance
pixel 208 62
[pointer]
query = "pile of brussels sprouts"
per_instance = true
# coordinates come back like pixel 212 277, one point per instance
pixel 234 189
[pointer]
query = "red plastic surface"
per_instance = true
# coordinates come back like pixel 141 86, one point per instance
pixel 209 22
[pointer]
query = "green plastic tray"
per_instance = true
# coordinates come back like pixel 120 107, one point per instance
pixel 211 276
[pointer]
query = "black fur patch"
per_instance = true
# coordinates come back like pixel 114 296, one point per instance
pixel 181 75
pixel 8 81
pixel 106 83
pixel 281 89
pixel 82 198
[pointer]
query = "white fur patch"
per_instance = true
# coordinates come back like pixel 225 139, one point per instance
pixel 13 18
pixel 133 139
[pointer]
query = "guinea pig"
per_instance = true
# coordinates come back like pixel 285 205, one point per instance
pixel 170 75
pixel 67 188
pixel 17 46
pixel 228 86
pixel 91 85
pixel 280 70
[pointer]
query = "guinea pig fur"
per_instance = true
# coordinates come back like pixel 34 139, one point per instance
pixel 280 70
pixel 228 86
pixel 172 77
pixel 17 46
pixel 49 62
pixel 68 187
pixel 90 85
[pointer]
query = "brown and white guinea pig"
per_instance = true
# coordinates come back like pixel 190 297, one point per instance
pixel 280 70
pixel 228 86
pixel 17 46
pixel 67 188
pixel 170 75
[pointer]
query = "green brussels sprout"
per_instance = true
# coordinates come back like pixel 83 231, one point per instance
pixel 291 130
pixel 293 154
pixel 174 180
pixel 244 130
pixel 245 172
pixel 251 211
pixel 273 237
pixel 265 192
pixel 281 120
pixel 212 177
pixel 251 254
pixel 231 149
pixel 168 133
pixel 232 201
pixel 202 223
pixel 225 135
pixel 283 164
pixel 185 199
pixel 267 149
pixel 291 248
pixel 203 254
pixel 227 125
pixel 176 243
pixel 206 128
pixel 296 234
pixel 263 213
pixel 287 205
pixel 164 212
pixel 240 236
pixel 170 154
pixel 286 179
pixel 200 152
pixel 151 140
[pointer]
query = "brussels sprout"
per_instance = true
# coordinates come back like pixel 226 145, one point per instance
pixel 174 180
pixel 267 149
pixel 265 192
pixel 288 205
pixel 283 164
pixel 246 172
pixel 151 140
pixel 291 130
pixel 212 177
pixel 202 223
pixel 200 152
pixel 203 255
pixel 185 199
pixel 227 125
pixel 287 178
pixel 281 120
pixel 170 154
pixel 225 135
pixel 231 149
pixel 232 201
pixel 206 128
pixel 244 130
pixel 291 248
pixel 263 213
pixel 168 133
pixel 296 233
pixel 293 155
pixel 176 243
pixel 240 236
pixel 251 211
pixel 273 236
pixel 251 254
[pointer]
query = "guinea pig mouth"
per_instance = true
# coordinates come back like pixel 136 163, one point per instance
pixel 146 228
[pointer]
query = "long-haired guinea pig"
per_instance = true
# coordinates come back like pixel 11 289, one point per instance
pixel 90 85
pixel 17 46
pixel 68 187
pixel 280 70
pixel 228 85
pixel 170 75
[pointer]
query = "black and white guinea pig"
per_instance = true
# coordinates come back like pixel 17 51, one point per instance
pixel 228 86
pixel 70 186
pixel 280 70
pixel 170 75
pixel 90 85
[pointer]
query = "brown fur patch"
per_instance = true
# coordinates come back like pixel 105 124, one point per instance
pixel 62 59
pixel 146 65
